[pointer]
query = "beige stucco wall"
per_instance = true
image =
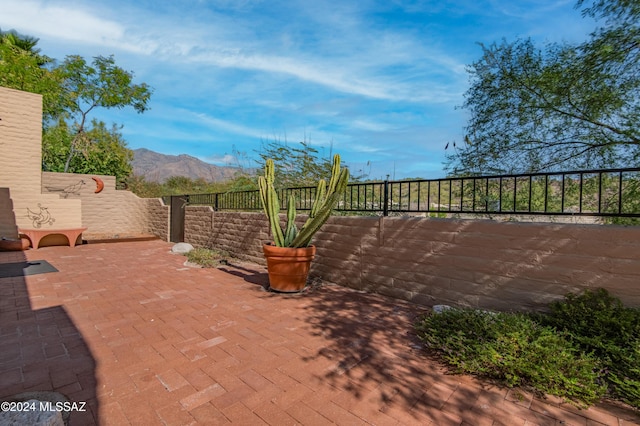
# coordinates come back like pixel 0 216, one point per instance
pixel 108 213
pixel 21 154
pixel 477 263
pixel 8 228
pixel 68 200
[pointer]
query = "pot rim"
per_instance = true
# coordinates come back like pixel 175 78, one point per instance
pixel 288 251
pixel 272 244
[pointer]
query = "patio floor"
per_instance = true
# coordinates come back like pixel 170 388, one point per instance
pixel 144 340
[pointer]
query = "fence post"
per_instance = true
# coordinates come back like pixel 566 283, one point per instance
pixel 385 209
pixel 215 202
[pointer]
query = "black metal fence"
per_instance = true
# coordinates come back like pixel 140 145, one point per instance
pixel 606 192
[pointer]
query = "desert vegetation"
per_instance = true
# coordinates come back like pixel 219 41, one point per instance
pixel 585 348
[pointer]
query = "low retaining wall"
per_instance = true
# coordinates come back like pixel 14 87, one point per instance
pixel 241 234
pixel 476 263
pixel 158 218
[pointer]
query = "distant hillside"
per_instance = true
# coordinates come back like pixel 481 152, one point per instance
pixel 156 167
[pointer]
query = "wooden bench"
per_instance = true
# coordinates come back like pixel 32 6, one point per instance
pixel 35 235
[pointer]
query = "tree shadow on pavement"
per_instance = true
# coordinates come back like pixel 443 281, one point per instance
pixel 375 353
pixel 43 352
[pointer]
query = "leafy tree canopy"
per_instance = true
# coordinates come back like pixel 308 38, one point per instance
pixel 22 67
pixel 72 91
pixel 100 85
pixel 558 107
pixel 100 150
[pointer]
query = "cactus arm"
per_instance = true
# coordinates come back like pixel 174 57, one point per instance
pixel 270 203
pixel 335 174
pixel 274 218
pixel 292 230
pixel 262 185
pixel 310 228
pixel 313 224
pixel 320 197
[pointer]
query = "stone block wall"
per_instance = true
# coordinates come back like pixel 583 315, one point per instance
pixel 475 263
pixel 241 234
pixel 198 225
pixel 482 264
pixel 158 213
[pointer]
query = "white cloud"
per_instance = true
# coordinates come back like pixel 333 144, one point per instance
pixel 319 73
pixel 355 72
pixel 361 75
pixel 365 148
pixel 371 126
pixel 66 23
pixel 227 126
pixel 222 160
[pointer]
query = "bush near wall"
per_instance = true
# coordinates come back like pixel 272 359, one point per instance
pixel 586 348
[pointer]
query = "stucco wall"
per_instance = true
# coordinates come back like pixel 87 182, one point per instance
pixel 484 264
pixel 8 228
pixel 108 213
pixel 21 154
pixel 66 200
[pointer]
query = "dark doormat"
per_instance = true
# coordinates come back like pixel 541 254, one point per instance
pixel 19 269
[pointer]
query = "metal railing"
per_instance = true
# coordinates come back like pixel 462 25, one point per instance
pixel 604 192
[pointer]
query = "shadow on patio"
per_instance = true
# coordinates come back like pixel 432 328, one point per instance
pixel 176 345
pixel 42 349
pixel 377 368
pixel 379 360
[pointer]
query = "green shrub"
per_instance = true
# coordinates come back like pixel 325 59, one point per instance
pixel 513 349
pixel 598 323
pixel 208 258
pixel 587 346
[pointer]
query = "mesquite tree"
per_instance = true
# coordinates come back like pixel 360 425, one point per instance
pixel 558 107
pixel 100 85
pixel 74 140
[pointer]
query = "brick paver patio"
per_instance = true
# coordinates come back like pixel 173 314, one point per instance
pixel 144 340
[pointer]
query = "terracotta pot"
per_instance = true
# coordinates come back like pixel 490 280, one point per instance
pixel 15 245
pixel 288 267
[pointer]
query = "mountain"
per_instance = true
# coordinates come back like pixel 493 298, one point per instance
pixel 156 167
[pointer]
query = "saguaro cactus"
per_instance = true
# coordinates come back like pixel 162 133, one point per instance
pixel 326 199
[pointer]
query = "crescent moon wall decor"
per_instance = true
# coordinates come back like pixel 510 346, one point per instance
pixel 99 184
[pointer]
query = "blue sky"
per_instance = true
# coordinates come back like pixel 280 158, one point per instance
pixel 376 81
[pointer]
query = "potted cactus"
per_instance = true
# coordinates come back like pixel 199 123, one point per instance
pixel 289 256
